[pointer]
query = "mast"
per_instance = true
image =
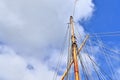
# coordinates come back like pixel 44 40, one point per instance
pixel 74 50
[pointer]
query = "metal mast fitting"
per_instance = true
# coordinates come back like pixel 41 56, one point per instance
pixel 74 50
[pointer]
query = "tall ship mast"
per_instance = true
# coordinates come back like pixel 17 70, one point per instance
pixel 80 61
pixel 75 52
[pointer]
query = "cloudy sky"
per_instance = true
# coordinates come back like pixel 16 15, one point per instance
pixel 32 31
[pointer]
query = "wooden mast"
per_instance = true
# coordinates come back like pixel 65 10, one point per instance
pixel 74 50
pixel 79 49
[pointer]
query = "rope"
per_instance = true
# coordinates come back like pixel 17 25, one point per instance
pixel 108 62
pixel 108 49
pixel 83 67
pixel 105 49
pixel 74 7
pixel 116 33
pixel 69 55
pixel 61 55
pixel 88 68
pixel 96 71
pixel 86 60
pixel 107 59
pixel 99 67
pixel 111 50
pixel 99 75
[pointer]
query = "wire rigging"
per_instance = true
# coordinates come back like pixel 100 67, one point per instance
pixel 100 73
pixel 69 54
pixel 107 58
pixel 74 7
pixel 99 67
pixel 108 62
pixel 87 67
pixel 94 67
pixel 61 55
pixel 96 71
pixel 105 34
pixel 83 67
pixel 108 49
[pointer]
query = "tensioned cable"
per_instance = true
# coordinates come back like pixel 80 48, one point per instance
pixel 87 51
pixel 107 60
pixel 118 59
pixel 69 54
pixel 96 71
pixel 87 75
pixel 99 74
pixel 61 55
pixel 74 7
pixel 91 62
pixel 111 66
pixel 83 67
pixel 111 50
pixel 76 29
pixel 105 46
pixel 86 65
pixel 88 68
pixel 110 34
pixel 110 55
pixel 100 67
pixel 105 49
pixel 116 33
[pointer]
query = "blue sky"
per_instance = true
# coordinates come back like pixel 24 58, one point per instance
pixel 106 16
pixel 31 32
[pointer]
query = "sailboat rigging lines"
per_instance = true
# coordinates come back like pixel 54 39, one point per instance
pixel 88 68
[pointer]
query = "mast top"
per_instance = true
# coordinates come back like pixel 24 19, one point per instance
pixel 71 17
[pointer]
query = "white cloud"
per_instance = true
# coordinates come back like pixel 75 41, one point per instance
pixel 35 28
pixel 29 25
pixel 84 9
pixel 14 67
